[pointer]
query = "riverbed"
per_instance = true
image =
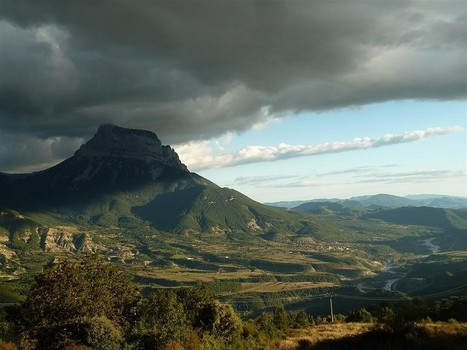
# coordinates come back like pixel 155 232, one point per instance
pixel 429 243
pixel 391 284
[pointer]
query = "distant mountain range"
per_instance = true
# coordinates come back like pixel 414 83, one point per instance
pixel 384 200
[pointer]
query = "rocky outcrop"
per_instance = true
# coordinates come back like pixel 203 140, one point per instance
pixel 114 159
pixel 6 254
pixel 252 224
pixel 117 142
pixel 65 238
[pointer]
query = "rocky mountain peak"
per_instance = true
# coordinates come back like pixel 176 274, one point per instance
pixel 112 141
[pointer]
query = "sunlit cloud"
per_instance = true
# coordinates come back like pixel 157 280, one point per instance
pixel 411 176
pixel 358 170
pixel 371 177
pixel 199 155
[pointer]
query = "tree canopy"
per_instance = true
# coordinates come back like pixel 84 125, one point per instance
pixel 70 299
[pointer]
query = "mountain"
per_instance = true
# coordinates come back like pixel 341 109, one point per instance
pixel 424 196
pixel 114 159
pixel 285 204
pixel 424 216
pixel 445 202
pixel 293 204
pixel 383 200
pixel 127 177
pixel 323 208
pixel 380 200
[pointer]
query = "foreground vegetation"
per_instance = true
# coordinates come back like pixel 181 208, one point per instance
pixel 90 304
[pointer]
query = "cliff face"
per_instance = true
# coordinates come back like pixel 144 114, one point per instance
pixel 115 142
pixel 114 159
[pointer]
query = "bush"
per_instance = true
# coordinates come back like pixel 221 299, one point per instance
pixel 221 320
pixel 192 341
pixel 301 319
pixel 7 346
pixel 362 315
pixel 102 334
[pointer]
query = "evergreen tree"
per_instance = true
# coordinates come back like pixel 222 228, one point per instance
pixel 280 319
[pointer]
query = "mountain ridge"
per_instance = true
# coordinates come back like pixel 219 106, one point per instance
pixel 123 176
pixel 384 200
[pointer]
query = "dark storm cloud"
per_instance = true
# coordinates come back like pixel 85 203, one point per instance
pixel 18 150
pixel 196 69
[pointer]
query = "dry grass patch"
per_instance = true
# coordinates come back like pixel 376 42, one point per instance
pixel 322 332
pixel 439 335
pixel 444 328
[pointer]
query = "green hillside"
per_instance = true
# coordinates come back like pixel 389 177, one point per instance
pixel 424 216
pixel 328 208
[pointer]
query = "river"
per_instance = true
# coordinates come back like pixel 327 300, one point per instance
pixel 429 243
pixel 390 284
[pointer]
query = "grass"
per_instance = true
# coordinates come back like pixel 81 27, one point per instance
pixel 439 335
pixel 315 334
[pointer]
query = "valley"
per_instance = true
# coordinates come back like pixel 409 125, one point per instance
pixel 168 228
pixel 255 270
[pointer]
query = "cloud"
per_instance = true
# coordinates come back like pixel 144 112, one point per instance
pixel 303 183
pixel 261 180
pixel 419 176
pixel 194 70
pixel 412 176
pixel 199 155
pixel 16 153
pixel 358 170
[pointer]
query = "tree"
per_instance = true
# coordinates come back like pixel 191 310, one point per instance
pixel 264 323
pixel 301 319
pixel 71 302
pixel 163 319
pixel 194 300
pixel 220 320
pixel 280 318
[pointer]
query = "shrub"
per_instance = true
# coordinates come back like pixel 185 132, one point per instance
pixel 221 320
pixel 362 315
pixel 102 334
pixel 301 319
pixel 7 346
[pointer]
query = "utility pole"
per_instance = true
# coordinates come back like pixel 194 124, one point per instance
pixel 330 307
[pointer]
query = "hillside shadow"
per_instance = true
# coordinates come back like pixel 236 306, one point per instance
pixel 166 210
